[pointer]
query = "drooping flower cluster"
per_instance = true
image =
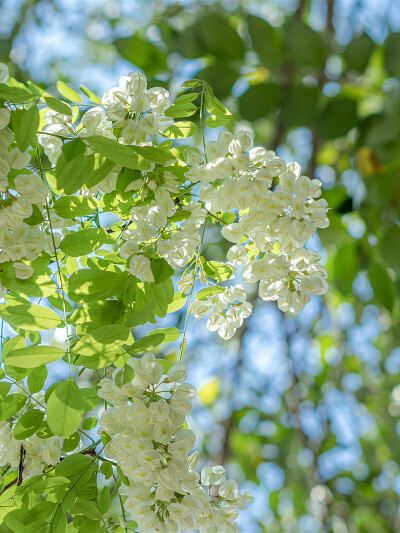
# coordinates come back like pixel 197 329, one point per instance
pixel 152 447
pixel 18 194
pixel 33 454
pixel 228 310
pixel 276 214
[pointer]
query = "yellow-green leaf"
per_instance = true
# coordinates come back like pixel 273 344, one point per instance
pixel 30 317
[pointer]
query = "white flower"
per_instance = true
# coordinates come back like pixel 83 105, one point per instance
pixel 139 266
pixel 22 271
pixel 229 490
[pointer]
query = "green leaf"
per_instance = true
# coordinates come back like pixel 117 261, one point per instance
pixel 161 270
pixel 106 469
pixel 107 339
pixel 90 422
pixel 101 312
pixel 74 206
pixel 35 218
pixel 215 107
pixel 126 156
pixel 65 409
pixel 73 167
pixel 166 364
pixel 217 122
pixel 180 129
pixel 88 509
pixel 154 154
pixel 59 522
pixel 73 465
pixel 57 301
pixel 221 77
pixel 68 92
pixel 105 499
pixel 4 389
pixel 124 375
pixel 102 168
pixel 11 405
pixel 209 291
pixel 302 45
pixel 42 510
pixel 142 53
pixel 83 242
pixel 389 247
pixel 33 356
pixel 177 303
pixel 181 111
pixel 30 317
pixel 58 105
pixel 27 424
pixel 391 54
pixel 13 344
pixel 51 484
pixel 72 442
pixel 259 100
pixel 186 98
pixel 44 432
pixel 91 285
pixel 345 267
pixel 295 115
pixel 337 118
pixel 358 53
pixel 217 271
pixel 37 378
pixel 36 286
pixel 90 399
pixel 153 299
pixel 153 339
pixel 218 37
pixel 266 41
pixel 383 286
pixel 90 94
pixel 25 126
pixel 16 94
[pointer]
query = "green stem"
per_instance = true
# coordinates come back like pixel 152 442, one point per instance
pixel 122 506
pixel 183 343
pixel 73 485
pixel 58 265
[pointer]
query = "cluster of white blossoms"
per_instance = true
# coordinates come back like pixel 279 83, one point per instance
pixel 18 194
pixel 276 211
pixel 226 310
pixel 149 442
pixel 33 454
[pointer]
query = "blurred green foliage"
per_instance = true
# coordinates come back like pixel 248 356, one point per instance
pixel 304 90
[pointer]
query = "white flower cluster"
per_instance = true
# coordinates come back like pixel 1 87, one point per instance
pixel 224 321
pixel 130 107
pixel 177 245
pixel 18 195
pixel 37 453
pixel 34 452
pixel 277 213
pixel 134 108
pixel 151 446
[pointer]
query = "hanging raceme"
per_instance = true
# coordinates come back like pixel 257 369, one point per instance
pixel 100 210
